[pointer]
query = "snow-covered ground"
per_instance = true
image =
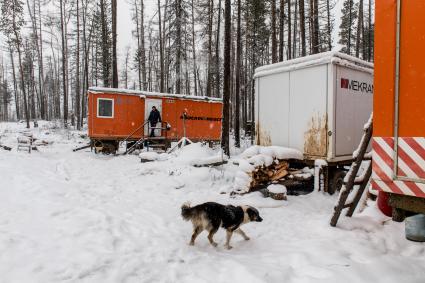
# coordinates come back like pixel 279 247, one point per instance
pixel 79 217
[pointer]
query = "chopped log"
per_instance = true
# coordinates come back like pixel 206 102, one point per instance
pixel 279 174
pixel 5 147
pixel 81 148
pixel 282 164
pixel 263 175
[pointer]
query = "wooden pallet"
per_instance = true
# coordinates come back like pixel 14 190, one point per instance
pixel 25 142
pixel 351 180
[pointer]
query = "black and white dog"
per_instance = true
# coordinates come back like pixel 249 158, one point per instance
pixel 210 216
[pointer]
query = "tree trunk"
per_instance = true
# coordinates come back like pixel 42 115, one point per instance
pixel 194 50
pixel 15 85
pixel 274 38
pixel 328 11
pixel 114 45
pixel 217 53
pixel 161 50
pixel 142 44
pixel 34 27
pixel 105 44
pixel 294 39
pixel 360 38
pixel 369 38
pixel 65 91
pixel 226 88
pixel 21 70
pixel 289 31
pixel 238 78
pixel 210 39
pixel 316 27
pixel 349 28
pixel 302 27
pixel 281 29
pixel 178 44
pixel 41 68
pixel 139 62
pixel 77 69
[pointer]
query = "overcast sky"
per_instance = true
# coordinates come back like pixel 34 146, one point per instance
pixel 125 24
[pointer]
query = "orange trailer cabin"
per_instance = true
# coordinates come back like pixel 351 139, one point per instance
pixel 399 100
pixel 119 114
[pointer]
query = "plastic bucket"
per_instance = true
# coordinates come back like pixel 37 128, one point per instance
pixel 415 228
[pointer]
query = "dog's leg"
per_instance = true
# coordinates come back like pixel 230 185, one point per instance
pixel 196 232
pixel 242 233
pixel 211 235
pixel 228 236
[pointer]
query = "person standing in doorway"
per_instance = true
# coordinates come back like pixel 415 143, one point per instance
pixel 154 118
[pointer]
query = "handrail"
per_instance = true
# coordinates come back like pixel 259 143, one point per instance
pixel 143 125
pixel 162 128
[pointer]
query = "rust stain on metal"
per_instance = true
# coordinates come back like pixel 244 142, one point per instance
pixel 315 139
pixel 263 137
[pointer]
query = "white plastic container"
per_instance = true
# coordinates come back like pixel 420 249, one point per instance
pixel 316 104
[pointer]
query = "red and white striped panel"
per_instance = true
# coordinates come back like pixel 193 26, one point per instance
pixel 411 164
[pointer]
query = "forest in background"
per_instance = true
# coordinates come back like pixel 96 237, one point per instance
pixel 48 60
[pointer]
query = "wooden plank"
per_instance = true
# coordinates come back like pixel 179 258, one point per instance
pixel 360 191
pixel 346 189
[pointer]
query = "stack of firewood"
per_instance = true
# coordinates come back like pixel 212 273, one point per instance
pixel 263 175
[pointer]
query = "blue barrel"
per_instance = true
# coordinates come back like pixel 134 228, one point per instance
pixel 415 228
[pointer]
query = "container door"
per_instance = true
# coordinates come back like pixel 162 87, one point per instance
pixel 149 103
pixel 353 106
pixel 411 119
pixel 307 111
pixel 272 106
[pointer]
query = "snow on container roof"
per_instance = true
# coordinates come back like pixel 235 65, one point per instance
pixel 144 94
pixel 333 57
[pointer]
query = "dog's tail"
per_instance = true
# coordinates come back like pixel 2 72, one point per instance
pixel 186 211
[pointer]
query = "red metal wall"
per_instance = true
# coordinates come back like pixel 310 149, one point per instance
pixel 411 143
pixel 128 116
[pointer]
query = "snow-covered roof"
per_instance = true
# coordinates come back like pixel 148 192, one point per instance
pixel 333 57
pixel 144 94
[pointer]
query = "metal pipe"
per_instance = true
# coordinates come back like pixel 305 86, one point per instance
pixel 397 91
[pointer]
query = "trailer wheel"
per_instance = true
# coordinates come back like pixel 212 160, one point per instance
pixel 336 181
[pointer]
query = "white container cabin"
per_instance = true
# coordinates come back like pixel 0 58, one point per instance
pixel 317 104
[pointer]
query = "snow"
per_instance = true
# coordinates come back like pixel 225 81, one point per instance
pixel 332 57
pixel 144 94
pixel 219 158
pixel 277 189
pixel 260 160
pixel 318 178
pixel 80 217
pixel 149 155
pixel 257 153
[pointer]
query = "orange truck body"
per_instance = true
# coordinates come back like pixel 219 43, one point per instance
pixel 130 110
pixel 399 98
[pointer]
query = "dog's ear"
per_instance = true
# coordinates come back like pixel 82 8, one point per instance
pixel 253 214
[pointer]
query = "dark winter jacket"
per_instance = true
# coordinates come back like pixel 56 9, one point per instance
pixel 154 117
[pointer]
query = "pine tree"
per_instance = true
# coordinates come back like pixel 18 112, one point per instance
pixel 114 45
pixel 347 31
pixel 238 76
pixel 11 23
pixel 226 89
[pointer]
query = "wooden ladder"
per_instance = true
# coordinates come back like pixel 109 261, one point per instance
pixel 352 180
